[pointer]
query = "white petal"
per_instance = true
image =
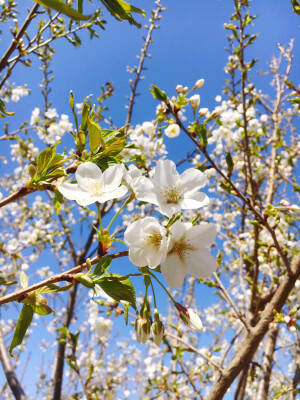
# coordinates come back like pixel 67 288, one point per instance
pixel 165 174
pixel 145 190
pixel 192 179
pixel 73 192
pixel 174 271
pixel 201 264
pixel 115 194
pixel 87 172
pixel 112 177
pixel 202 236
pixel 168 209
pixel 195 321
pixel 179 229
pixel 137 256
pixel 194 200
pixel 135 233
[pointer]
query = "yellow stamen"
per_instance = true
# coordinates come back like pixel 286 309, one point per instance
pixel 153 240
pixel 173 193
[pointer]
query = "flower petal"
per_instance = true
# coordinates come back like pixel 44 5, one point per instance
pixel 174 270
pixel 165 174
pixel 192 179
pixel 201 264
pixel 137 256
pixel 73 192
pixel 169 209
pixel 86 173
pixel 115 194
pixel 112 177
pixel 194 200
pixel 179 230
pixel 202 236
pixel 145 190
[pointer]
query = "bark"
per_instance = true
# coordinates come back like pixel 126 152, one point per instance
pixel 255 336
pixel 9 372
pixel 267 361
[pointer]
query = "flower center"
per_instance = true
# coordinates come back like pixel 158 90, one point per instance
pixel 172 193
pixel 153 240
pixel 95 187
pixel 182 248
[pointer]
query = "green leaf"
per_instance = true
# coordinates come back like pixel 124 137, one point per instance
pixel 102 266
pixel 106 162
pixel 79 6
pixel 95 135
pixel 57 200
pixel 122 10
pixel 159 94
pixel 3 111
pixel 296 6
pixel 23 280
pixel 38 303
pixel 202 133
pixel 114 149
pixel 118 289
pixel 7 283
pixel 71 102
pixel 23 323
pixel 229 162
pixel 126 309
pixel 51 288
pixel 63 8
pixel 43 159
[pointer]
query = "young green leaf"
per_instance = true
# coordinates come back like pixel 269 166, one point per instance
pixel 102 266
pixel 63 8
pixel 23 323
pixel 95 135
pixel 23 280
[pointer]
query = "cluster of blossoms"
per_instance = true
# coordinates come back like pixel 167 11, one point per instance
pixel 14 93
pixel 54 129
pixel 143 137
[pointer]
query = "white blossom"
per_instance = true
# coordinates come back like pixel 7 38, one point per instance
pixel 170 191
pixel 93 185
pixel 188 252
pixel 172 131
pixel 147 242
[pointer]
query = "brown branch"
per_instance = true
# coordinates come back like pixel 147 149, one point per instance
pixel 253 339
pixel 269 348
pixel 24 191
pixel 147 43
pixel 54 279
pixel 9 371
pixel 18 36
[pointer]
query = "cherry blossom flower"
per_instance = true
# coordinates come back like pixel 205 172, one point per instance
pixel 195 101
pixel 172 131
pixel 147 242
pixel 188 252
pixel 93 185
pixel 170 191
pixel 103 328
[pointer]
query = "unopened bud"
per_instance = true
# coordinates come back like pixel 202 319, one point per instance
pixel 195 101
pixel 199 84
pixel 142 328
pixel 179 89
pixel 189 317
pixel 157 329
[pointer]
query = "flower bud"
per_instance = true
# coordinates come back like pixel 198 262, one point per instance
pixel 157 329
pixel 195 101
pixel 179 88
pixel 142 328
pixel 199 84
pixel 189 317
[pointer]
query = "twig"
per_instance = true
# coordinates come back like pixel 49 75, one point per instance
pixel 18 36
pixel 147 43
pixel 56 278
pixel 209 360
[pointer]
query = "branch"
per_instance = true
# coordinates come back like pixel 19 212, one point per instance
pixel 18 36
pixel 24 191
pixel 253 339
pixel 147 43
pixel 56 278
pixel 269 348
pixel 9 371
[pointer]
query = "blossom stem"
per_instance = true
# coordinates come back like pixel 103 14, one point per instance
pixel 166 290
pixel 130 198
pixel 99 214
pixel 118 240
pixel 154 298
